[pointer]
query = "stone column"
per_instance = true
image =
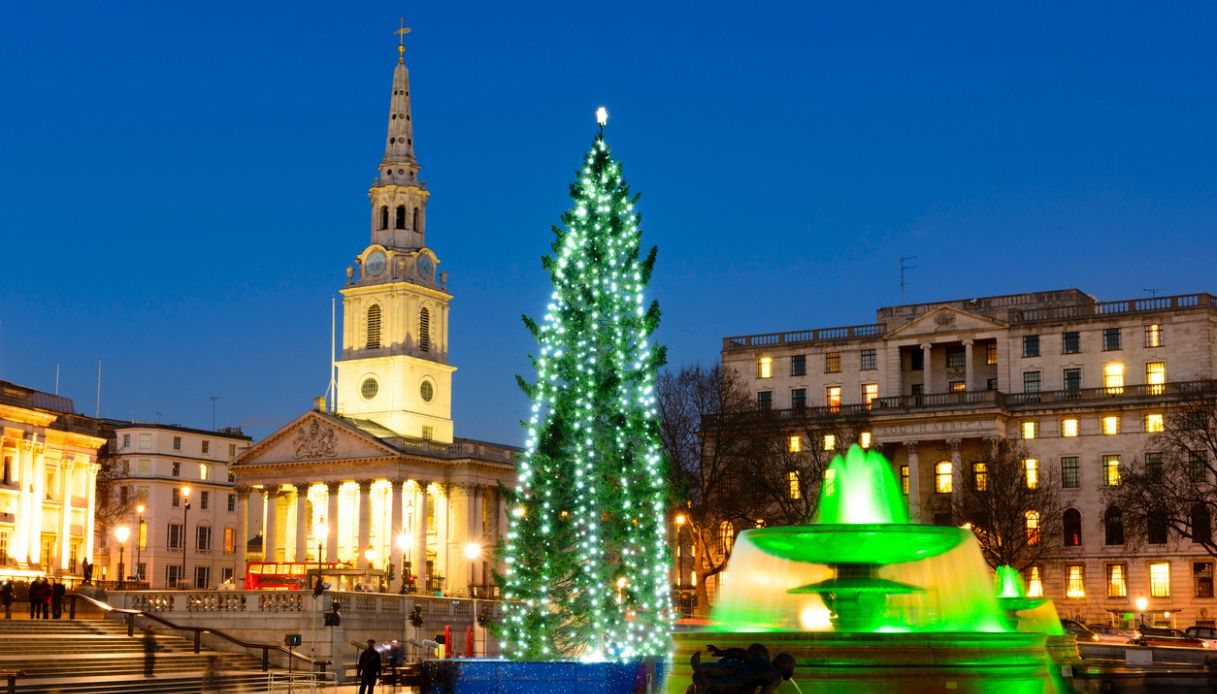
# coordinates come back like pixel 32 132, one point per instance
pixel 18 546
pixel 914 463
pixel 927 372
pixel 270 507
pixel 301 520
pixel 958 478
pixel 419 562
pixel 242 532
pixel 91 495
pixel 331 521
pixel 967 366
pixel 396 530
pixel 365 522
pixel 39 483
pixel 476 531
pixel 66 468
pixel 443 534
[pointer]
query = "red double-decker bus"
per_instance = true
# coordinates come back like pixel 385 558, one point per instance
pixel 283 575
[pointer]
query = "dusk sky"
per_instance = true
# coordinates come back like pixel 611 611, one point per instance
pixel 182 185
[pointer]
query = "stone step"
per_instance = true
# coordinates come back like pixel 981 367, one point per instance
pixel 189 682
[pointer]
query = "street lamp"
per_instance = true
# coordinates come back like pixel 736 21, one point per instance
pixel 185 526
pixel 139 536
pixel 404 543
pixel 473 552
pixel 319 533
pixel 680 520
pixel 1142 605
pixel 121 533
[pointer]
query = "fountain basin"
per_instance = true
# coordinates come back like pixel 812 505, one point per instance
pixel 857 543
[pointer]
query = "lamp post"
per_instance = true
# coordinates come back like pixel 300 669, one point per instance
pixel 678 560
pixel 185 526
pixel 121 533
pixel 371 554
pixel 139 536
pixel 404 544
pixel 1142 605
pixel 320 531
pixel 473 552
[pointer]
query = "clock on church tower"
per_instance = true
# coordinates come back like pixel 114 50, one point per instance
pixel 393 368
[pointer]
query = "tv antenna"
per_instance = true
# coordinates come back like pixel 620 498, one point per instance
pixel 213 411
pixel 1153 291
pixel 905 266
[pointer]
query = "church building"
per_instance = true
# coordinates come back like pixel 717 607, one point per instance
pixel 377 483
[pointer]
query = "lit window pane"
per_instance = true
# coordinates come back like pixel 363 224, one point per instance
pixel 832 397
pixel 1111 425
pixel 1035 584
pixel 1153 335
pixel 870 391
pixel 1154 424
pixel 1160 579
pixel 1032 467
pixel 1111 470
pixel 1113 378
pixel 1030 429
pixel 942 477
pixel 792 478
pixel 764 367
pixel 830 442
pixel 865 439
pixel 1155 377
pixel 1117 586
pixel 1076 587
pixel 1033 527
pixel 1069 427
pixel 795 444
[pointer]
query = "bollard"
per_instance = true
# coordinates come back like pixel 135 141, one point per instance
pixel 71 607
pixel 198 636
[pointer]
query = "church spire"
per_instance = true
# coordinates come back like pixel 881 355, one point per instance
pixel 399 143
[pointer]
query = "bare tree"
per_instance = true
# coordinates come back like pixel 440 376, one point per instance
pixel 1014 508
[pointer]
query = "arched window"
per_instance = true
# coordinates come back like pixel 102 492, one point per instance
pixel 415 225
pixel 942 477
pixel 374 326
pixel 1033 527
pixel 1073 527
pixel 1155 527
pixel 1202 523
pixel 424 330
pixel 1113 526
pixel 401 217
pixel 384 216
pixel 726 537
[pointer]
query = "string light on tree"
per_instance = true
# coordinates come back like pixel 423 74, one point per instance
pixel 586 550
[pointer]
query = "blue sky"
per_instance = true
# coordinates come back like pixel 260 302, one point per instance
pixel 182 186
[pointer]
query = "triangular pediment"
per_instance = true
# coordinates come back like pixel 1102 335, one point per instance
pixel 315 437
pixel 946 319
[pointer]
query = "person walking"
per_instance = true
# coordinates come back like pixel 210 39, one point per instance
pixel 35 596
pixel 46 599
pixel 6 597
pixel 58 590
pixel 368 669
pixel 149 651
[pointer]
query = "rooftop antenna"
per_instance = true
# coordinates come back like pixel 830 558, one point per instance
pixel 57 378
pixel 331 403
pixel 97 412
pixel 1153 291
pixel 903 283
pixel 213 411
pixel 157 414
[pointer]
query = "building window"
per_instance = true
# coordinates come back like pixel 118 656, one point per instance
pixel 1031 345
pixel 991 354
pixel 1113 527
pixel 991 384
pixel 1070 472
pixel 1031 429
pixel 230 540
pixel 204 499
pixel 1160 579
pixel 1111 339
pixel 1153 466
pixel 792 481
pixel 126 440
pixel 956 357
pixel 424 330
pixel 832 362
pixel 202 537
pixel 1069 427
pixel 172 575
pixel 205 447
pixel 916 389
pixel 1031 470
pixel 175 536
pixel 870 391
pixel 764 400
pixel 177 469
pixel 1072 526
pixel 1113 378
pixel 916 360
pixel 832 397
pixel 798 398
pixel 942 477
pixel 1155 528
pixel 830 442
pixel 980 477
pixel 1202 523
pixel 957 386
pixel 204 471
pixel 1073 379
pixel 400 221
pixel 232 503
pixel 384 216
pixel 1031 381
pixel 868 360
pixel 1154 423
pixel 1071 342
pixel 1202 578
pixel 232 450
pixel 177 496
pixel 145 442
pixel 429 431
pixel 904 479
pixel 177 443
pixel 1197 467
pixel 764 367
pixel 1111 424
pixel 1035 582
pixel 1075 586
pixel 798 365
pixel 794 444
pixel 202 577
pixel 1153 335
pixel 1155 377
pixel 1111 470
pixel 1032 522
pixel 864 439
pixel 726 537
pixel 1117 582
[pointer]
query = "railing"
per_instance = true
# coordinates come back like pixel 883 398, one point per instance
pixel 298 601
pixel 1125 307
pixel 803 337
pixel 966 398
pixel 1176 390
pixel 130 615
pixel 794 414
pixel 986 304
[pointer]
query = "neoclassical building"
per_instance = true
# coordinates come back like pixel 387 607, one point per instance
pixel 47 494
pixel 375 478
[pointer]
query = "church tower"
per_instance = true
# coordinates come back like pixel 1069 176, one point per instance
pixel 393 369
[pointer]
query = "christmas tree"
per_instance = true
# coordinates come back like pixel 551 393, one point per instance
pixel 586 552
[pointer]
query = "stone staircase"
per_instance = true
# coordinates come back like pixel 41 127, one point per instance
pixel 95 656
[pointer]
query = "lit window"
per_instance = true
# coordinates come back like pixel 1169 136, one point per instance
pixel 1111 470
pixel 980 476
pixel 1076 584
pixel 795 444
pixel 1031 467
pixel 864 439
pixel 1153 335
pixel 1154 424
pixel 904 479
pixel 792 479
pixel 764 367
pixel 1030 429
pixel 726 537
pixel 1035 583
pixel 1033 527
pixel 1113 378
pixel 1117 583
pixel 832 397
pixel 1202 578
pixel 830 442
pixel 1155 377
pixel 830 477
pixel 942 477
pixel 870 391
pixel 991 354
pixel 957 386
pixel 1069 427
pixel 204 471
pixel 832 362
pixel 1111 425
pixel 1160 579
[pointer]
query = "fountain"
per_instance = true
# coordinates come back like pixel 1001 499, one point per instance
pixel 867 602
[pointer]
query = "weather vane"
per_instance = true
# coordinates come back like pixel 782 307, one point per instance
pixel 401 41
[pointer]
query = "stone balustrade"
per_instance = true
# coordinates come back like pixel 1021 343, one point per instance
pixel 301 601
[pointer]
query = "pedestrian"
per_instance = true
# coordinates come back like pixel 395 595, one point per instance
pixel 149 651
pixel 6 597
pixel 212 678
pixel 57 592
pixel 46 598
pixel 368 669
pixel 35 596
